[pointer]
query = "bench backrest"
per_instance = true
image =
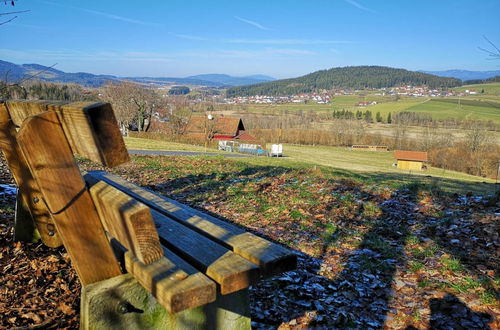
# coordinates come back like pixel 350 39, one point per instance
pixel 104 221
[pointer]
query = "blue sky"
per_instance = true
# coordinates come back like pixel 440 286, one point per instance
pixel 277 38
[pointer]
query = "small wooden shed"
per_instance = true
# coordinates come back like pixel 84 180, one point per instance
pixel 368 147
pixel 410 160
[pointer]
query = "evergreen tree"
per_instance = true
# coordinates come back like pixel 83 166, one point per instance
pixel 355 77
pixel 378 117
pixel 368 116
pixel 389 119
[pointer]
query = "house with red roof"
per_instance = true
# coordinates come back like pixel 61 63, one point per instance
pixel 220 128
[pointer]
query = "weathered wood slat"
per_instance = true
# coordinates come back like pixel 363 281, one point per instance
pixel 90 127
pixel 21 109
pixel 174 284
pixel 272 258
pixel 93 132
pixel 127 220
pixel 228 269
pixel 29 191
pixel 49 157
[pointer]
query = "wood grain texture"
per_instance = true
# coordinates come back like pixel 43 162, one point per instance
pixel 21 109
pixel 91 128
pixel 128 221
pixel 93 132
pixel 31 198
pixel 105 127
pixel 174 284
pixel 228 269
pixel 49 157
pixel 272 258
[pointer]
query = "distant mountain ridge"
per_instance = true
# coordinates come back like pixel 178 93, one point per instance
pixel 15 72
pixel 464 74
pixel 225 79
pixel 351 77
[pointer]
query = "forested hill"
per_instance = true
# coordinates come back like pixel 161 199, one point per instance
pixel 351 77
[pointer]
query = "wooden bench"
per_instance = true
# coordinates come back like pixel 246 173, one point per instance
pixel 144 260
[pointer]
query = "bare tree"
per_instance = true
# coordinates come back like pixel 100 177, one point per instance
pixel 178 112
pixel 477 138
pixel 10 15
pixel 117 95
pixel 12 91
pixel 494 53
pixel 477 141
pixel 403 121
pixel 134 105
pixel 209 129
pixel 146 102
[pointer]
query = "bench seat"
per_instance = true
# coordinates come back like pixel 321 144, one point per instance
pixel 198 243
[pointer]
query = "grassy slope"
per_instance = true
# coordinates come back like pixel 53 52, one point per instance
pixel 438 110
pixel 346 102
pixel 444 110
pixel 145 144
pixel 491 89
pixel 374 168
pixel 369 167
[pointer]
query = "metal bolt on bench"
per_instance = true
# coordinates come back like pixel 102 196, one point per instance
pixel 144 260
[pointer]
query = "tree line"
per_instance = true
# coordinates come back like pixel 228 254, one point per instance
pixel 475 154
pixel 354 77
pixel 482 81
pixel 41 90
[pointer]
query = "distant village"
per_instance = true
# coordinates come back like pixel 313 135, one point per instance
pixel 324 97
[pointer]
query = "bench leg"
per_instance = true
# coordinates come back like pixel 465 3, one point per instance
pixel 24 228
pixel 122 303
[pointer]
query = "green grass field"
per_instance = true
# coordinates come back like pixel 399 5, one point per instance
pixel 485 106
pixel 467 109
pixel 346 102
pixel 395 106
pixel 370 167
pixel 491 88
pixel 145 144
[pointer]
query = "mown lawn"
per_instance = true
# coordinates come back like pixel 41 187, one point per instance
pixel 370 255
pixel 369 167
pixel 434 107
pixel 146 144
pixel 340 102
pixel 491 88
pixel 452 109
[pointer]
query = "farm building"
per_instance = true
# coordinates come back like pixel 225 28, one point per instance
pixel 222 128
pixel 410 160
pixel 366 147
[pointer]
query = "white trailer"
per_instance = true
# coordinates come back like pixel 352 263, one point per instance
pixel 276 150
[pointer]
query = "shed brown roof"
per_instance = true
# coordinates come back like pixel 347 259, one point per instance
pixel 223 125
pixel 418 156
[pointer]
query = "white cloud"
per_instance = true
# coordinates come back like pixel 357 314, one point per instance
pixel 107 15
pixel 64 55
pixel 263 41
pixel 264 53
pixel 359 6
pixel 257 25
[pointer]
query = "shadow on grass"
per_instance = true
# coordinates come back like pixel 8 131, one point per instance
pixel 397 180
pixel 362 292
pixel 451 313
